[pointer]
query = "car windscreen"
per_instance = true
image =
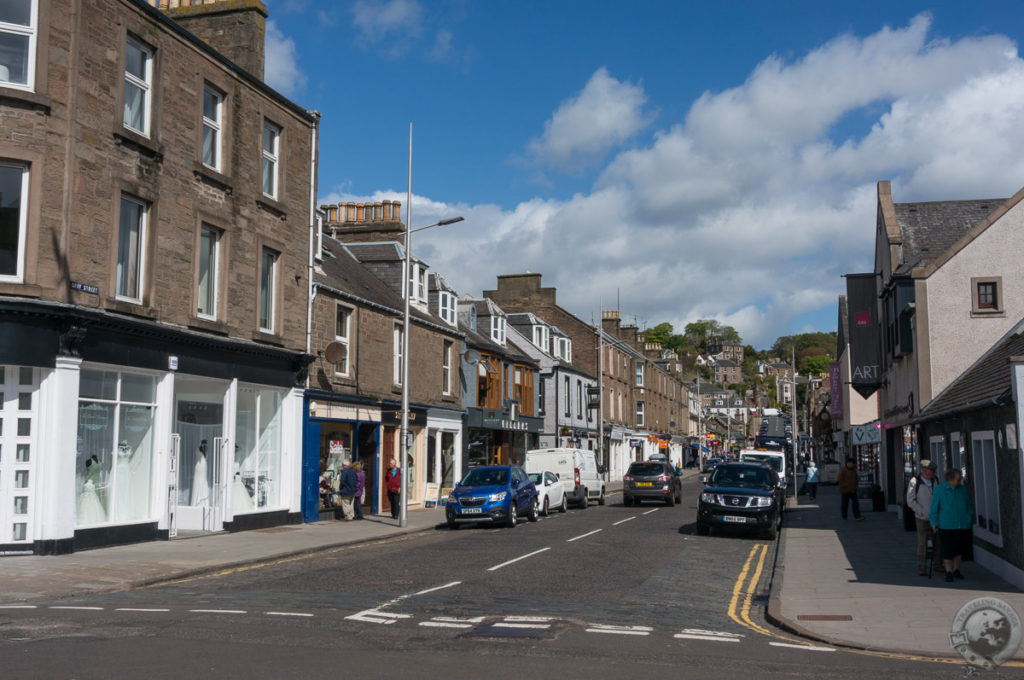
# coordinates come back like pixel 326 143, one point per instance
pixel 486 477
pixel 741 476
pixel 536 477
pixel 646 469
pixel 774 461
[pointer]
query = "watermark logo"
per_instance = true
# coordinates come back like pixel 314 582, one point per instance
pixel 986 632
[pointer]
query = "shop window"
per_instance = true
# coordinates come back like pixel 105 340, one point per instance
pixel 986 488
pixel 113 472
pixel 937 454
pixel 138 86
pixel 13 217
pixel 258 449
pixel 213 104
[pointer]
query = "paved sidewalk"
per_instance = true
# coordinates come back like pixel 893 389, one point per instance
pixel 856 583
pixel 31 578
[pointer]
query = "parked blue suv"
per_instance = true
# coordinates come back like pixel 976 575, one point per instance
pixel 494 493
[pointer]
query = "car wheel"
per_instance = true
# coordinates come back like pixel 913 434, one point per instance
pixel 547 509
pixel 564 506
pixel 450 518
pixel 585 503
pixel 533 516
pixel 626 500
pixel 513 515
pixel 771 532
pixel 600 500
pixel 703 529
pixel 671 500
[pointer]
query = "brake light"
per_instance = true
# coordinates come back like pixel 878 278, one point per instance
pixel 629 478
pixel 576 475
pixel 663 478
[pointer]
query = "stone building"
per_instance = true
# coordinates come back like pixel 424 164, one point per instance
pixel 726 372
pixel 154 244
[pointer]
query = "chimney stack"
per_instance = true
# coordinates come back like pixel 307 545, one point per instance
pixel 235 28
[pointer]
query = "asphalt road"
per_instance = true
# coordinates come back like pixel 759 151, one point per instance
pixel 605 592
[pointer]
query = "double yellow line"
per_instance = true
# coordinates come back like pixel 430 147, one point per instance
pixel 744 589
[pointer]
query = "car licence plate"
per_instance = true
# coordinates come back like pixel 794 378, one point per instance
pixel 645 483
pixel 472 511
pixel 731 518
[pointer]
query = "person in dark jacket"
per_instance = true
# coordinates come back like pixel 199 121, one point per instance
pixel 952 515
pixel 360 498
pixel 393 482
pixel 847 482
pixel 347 483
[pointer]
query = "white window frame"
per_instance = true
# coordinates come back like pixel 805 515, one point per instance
pixel 639 374
pixel 937 454
pixel 397 334
pixel 344 339
pixel 214 271
pixel 542 337
pixel 271 292
pixel 568 397
pixel 19 271
pixel 446 307
pixel 215 125
pixel 956 453
pixel 271 157
pixel 986 487
pixel 446 366
pixel 142 245
pixel 640 413
pixel 498 329
pixel 30 32
pixel 145 84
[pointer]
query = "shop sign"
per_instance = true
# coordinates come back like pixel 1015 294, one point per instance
pixel 866 434
pixel 515 425
pixel 865 334
pixel 430 499
pixel 442 498
pixel 835 403
pixel 636 443
pixel 336 447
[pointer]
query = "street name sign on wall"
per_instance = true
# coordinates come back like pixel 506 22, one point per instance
pixel 865 334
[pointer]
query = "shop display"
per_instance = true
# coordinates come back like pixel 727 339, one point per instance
pixel 90 508
pixel 241 499
pixel 200 483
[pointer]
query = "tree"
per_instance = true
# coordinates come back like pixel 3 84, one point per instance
pixel 661 333
pixel 814 365
pixel 700 333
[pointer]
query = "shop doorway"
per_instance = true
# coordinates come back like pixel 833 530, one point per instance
pixel 199 423
pixel 366 453
pixel 387 450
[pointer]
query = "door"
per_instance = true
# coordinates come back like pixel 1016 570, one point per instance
pixel 387 448
pixel 366 453
pixel 199 415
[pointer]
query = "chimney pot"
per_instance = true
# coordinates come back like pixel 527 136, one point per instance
pixel 376 212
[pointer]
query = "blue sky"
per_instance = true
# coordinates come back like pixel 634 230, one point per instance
pixel 692 159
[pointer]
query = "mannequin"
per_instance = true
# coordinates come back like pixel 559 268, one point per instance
pixel 241 501
pixel 200 485
pixel 90 509
pixel 123 482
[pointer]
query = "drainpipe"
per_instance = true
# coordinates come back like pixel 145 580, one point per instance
pixel 310 292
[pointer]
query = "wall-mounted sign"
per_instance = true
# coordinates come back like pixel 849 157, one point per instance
pixel 866 434
pixel 93 290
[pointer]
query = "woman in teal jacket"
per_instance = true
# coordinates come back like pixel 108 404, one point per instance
pixel 952 516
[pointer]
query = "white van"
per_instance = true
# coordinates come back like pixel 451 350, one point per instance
pixel 577 469
pixel 775 459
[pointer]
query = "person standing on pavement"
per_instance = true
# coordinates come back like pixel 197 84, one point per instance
pixel 347 482
pixel 847 482
pixel 811 481
pixel 360 497
pixel 919 500
pixel 393 482
pixel 951 516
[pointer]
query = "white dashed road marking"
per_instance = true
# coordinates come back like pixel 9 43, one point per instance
pixel 218 611
pixel 139 609
pixel 623 521
pixel 650 511
pixel 506 624
pixel 377 616
pixel 707 635
pixel 431 590
pixel 521 557
pixel 584 535
pixel 85 609
pixel 811 648
pixel 17 606
pixel 289 614
pixel 445 624
pixel 619 630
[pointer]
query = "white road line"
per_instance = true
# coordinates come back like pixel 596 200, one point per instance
pixel 584 535
pixel 623 521
pixel 137 609
pixel 218 611
pixel 377 616
pixel 445 624
pixel 88 609
pixel 650 511
pixel 528 619
pixel 457 619
pixel 708 638
pixel 288 614
pixel 431 590
pixel 502 624
pixel 811 648
pixel 523 557
pixel 703 631
pixel 619 630
pixel 17 606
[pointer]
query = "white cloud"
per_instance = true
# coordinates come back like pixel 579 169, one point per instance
pixel 281 66
pixel 386 20
pixel 751 209
pixel 585 127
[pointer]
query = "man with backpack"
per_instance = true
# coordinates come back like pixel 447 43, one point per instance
pixel 919 499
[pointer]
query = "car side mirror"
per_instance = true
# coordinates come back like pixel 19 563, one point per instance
pixel 515 482
pixel 703 479
pixel 600 469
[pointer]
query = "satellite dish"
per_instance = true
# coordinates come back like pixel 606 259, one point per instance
pixel 335 352
pixel 471 356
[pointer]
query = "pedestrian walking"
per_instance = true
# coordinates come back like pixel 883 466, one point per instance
pixel 360 488
pixel 347 482
pixel 812 479
pixel 951 516
pixel 393 482
pixel 847 482
pixel 919 500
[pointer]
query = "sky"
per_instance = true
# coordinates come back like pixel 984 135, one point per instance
pixel 674 160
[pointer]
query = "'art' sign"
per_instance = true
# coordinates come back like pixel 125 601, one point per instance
pixel 865 334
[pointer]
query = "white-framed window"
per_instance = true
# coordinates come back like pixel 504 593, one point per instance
pixel 420 288
pixel 639 414
pixel 268 289
pixel 342 330
pixel 13 221
pixel 271 156
pixel 579 399
pixel 398 339
pixel 956 453
pixel 446 307
pixel 131 249
pixel 19 20
pixel 498 329
pixel 446 367
pixel 568 398
pixel 209 271
pixel 541 337
pixel 987 523
pixel 138 86
pixel 937 454
pixel 213 104
pixel 639 374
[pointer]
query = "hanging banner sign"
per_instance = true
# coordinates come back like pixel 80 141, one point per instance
pixel 835 403
pixel 865 334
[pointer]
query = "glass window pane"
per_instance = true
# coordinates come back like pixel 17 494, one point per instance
pixel 210 146
pixel 21 479
pixel 134 107
pixel 269 138
pixel 24 427
pixel 14 58
pixel 135 60
pixel 269 448
pixel 18 531
pixel 246 455
pixel 94 462
pixel 211 103
pixel 16 12
pixel 22 455
pixel 129 248
pixel 25 401
pixel 268 177
pixel 132 469
pixel 25 375
pixel 267 290
pixel 207 272
pixel 21 505
pixel 98 384
pixel 141 388
pixel 11 183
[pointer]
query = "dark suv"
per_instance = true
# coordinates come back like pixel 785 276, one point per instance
pixel 654 480
pixel 744 496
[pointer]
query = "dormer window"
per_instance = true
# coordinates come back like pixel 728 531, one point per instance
pixel 563 349
pixel 498 329
pixel 446 307
pixel 418 283
pixel 541 337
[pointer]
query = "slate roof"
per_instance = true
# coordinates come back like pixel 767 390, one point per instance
pixel 987 380
pixel 377 252
pixel 930 229
pixel 727 363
